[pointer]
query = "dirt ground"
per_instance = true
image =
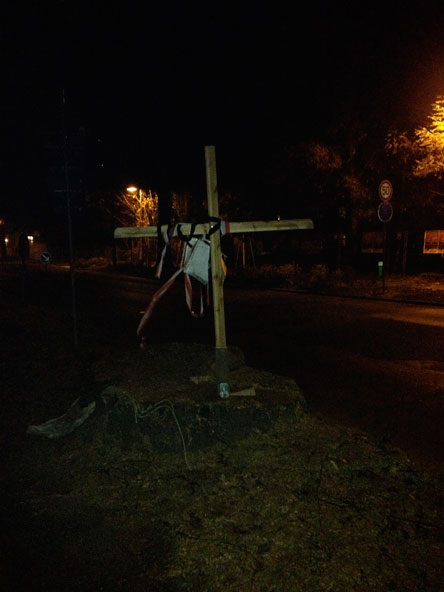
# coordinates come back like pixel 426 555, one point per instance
pixel 167 488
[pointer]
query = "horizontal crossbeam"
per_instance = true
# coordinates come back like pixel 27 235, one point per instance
pixel 226 228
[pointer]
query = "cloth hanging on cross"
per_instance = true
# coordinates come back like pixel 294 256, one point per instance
pixel 195 263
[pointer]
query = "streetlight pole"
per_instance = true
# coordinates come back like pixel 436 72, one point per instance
pixel 70 233
pixel 132 190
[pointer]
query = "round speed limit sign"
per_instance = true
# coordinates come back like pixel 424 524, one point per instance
pixel 385 190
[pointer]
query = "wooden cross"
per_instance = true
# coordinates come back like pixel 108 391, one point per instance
pixel 217 273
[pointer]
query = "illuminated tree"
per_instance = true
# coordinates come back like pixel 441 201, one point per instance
pixel 136 207
pixel 430 144
pixel 419 157
pixel 421 152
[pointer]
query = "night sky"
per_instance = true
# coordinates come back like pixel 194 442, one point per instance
pixel 158 82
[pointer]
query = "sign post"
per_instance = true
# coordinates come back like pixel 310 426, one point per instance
pixel 385 214
pixel 46 258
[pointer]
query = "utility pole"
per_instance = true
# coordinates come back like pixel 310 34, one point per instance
pixel 69 216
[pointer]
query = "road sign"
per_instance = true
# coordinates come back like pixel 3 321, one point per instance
pixel 385 211
pixel 385 190
pixel 46 257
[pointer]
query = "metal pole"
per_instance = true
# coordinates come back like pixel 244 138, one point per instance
pixel 384 258
pixel 70 234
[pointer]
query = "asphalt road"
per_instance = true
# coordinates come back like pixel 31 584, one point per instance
pixel 372 364
pixel 376 365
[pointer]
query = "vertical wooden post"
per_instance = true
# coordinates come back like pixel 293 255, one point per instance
pixel 217 277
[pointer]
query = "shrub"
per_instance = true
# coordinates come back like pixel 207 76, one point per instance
pixel 318 277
